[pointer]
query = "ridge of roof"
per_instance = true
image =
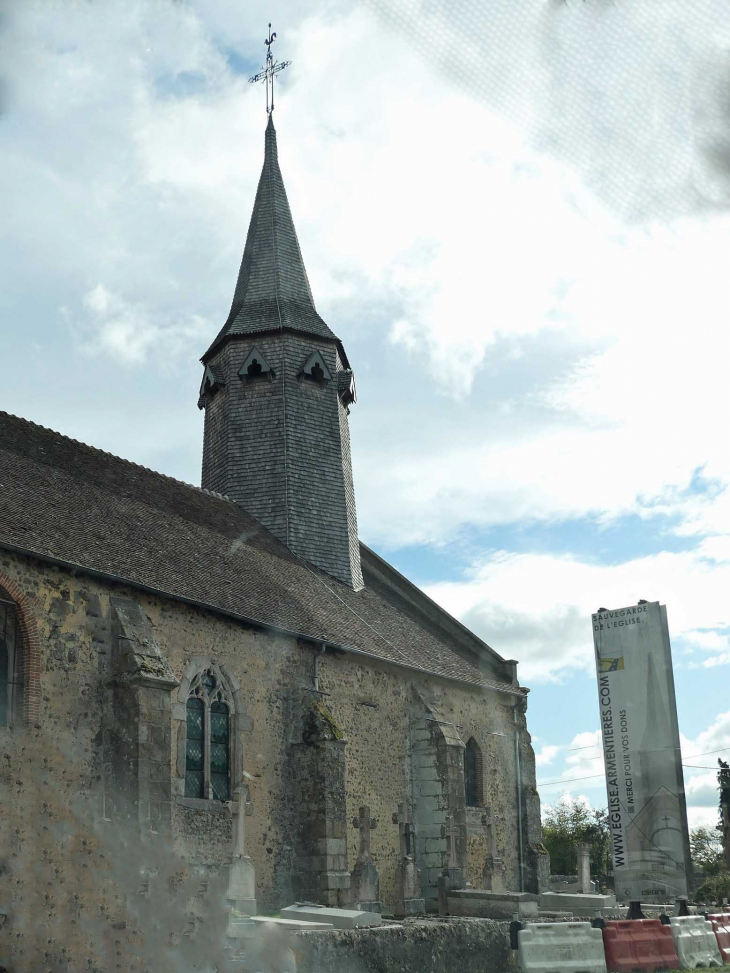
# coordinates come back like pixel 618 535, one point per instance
pixel 84 508
pixel 114 456
pixel 425 606
pixel 272 290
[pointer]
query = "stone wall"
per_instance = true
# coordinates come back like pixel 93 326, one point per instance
pixel 435 946
pixel 84 822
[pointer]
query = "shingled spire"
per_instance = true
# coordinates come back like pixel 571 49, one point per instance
pixel 273 288
pixel 276 390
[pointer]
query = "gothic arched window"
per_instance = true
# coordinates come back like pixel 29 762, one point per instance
pixel 9 659
pixel 473 774
pixel 208 738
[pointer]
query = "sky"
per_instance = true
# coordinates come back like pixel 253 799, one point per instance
pixel 514 215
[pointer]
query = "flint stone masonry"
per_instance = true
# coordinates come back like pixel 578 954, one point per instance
pixel 61 773
pixel 416 946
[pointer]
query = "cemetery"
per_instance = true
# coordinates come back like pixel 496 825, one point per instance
pixel 571 930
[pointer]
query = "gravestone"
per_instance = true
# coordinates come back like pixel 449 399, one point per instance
pixel 451 877
pixel 408 901
pixel 339 918
pixel 241 874
pixel 364 880
pixel 584 867
pixel 493 871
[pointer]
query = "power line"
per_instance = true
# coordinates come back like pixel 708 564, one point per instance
pixel 544 783
pixel 691 756
pixel 569 780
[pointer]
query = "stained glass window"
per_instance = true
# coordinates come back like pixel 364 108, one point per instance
pixel 219 751
pixel 208 681
pixel 208 747
pixel 195 749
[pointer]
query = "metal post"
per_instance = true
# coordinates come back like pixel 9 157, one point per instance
pixel 518 773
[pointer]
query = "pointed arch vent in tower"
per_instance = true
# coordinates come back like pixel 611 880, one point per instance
pixel 315 368
pixel 255 366
pixel 213 381
pixel 346 387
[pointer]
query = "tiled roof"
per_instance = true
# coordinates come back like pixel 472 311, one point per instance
pixel 68 501
pixel 273 289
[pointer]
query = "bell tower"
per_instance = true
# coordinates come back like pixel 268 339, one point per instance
pixel 277 390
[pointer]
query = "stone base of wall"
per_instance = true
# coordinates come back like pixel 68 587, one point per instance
pixel 415 946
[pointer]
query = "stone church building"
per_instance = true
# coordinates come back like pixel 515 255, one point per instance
pixel 171 655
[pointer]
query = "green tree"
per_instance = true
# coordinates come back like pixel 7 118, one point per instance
pixel 709 864
pixel 710 847
pixel 568 822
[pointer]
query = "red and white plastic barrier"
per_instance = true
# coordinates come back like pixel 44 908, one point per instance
pixel 639 944
pixel 721 927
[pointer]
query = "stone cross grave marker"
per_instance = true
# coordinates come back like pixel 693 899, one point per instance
pixel 244 808
pixel 493 871
pixel 365 824
pixel 365 881
pixel 451 832
pixel 491 848
pixel 241 874
pixel 405 830
pixel 408 901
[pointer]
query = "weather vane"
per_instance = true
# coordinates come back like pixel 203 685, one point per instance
pixel 267 75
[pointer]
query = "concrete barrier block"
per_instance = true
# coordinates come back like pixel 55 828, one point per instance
pixel 695 941
pixel 561 947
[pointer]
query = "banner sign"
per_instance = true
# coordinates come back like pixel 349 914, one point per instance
pixel 644 780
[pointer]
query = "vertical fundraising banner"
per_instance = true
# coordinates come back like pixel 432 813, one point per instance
pixel 644 779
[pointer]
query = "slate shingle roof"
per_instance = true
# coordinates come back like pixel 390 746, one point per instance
pixel 273 288
pixel 65 500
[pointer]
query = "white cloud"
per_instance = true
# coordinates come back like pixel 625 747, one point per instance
pixel 536 607
pixel 525 334
pixel 546 754
pixel 532 346
pixel 127 332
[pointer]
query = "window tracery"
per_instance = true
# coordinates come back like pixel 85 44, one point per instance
pixel 208 712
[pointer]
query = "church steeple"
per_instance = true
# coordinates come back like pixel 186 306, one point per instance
pixel 273 289
pixel 276 390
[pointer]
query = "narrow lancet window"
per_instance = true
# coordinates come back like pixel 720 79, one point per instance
pixel 219 751
pixel 208 742
pixel 195 749
pixel 473 774
pixel 4 685
pixel 9 650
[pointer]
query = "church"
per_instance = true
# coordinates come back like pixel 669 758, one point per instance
pixel 180 662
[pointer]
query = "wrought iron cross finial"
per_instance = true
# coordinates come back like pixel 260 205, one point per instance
pixel 267 75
